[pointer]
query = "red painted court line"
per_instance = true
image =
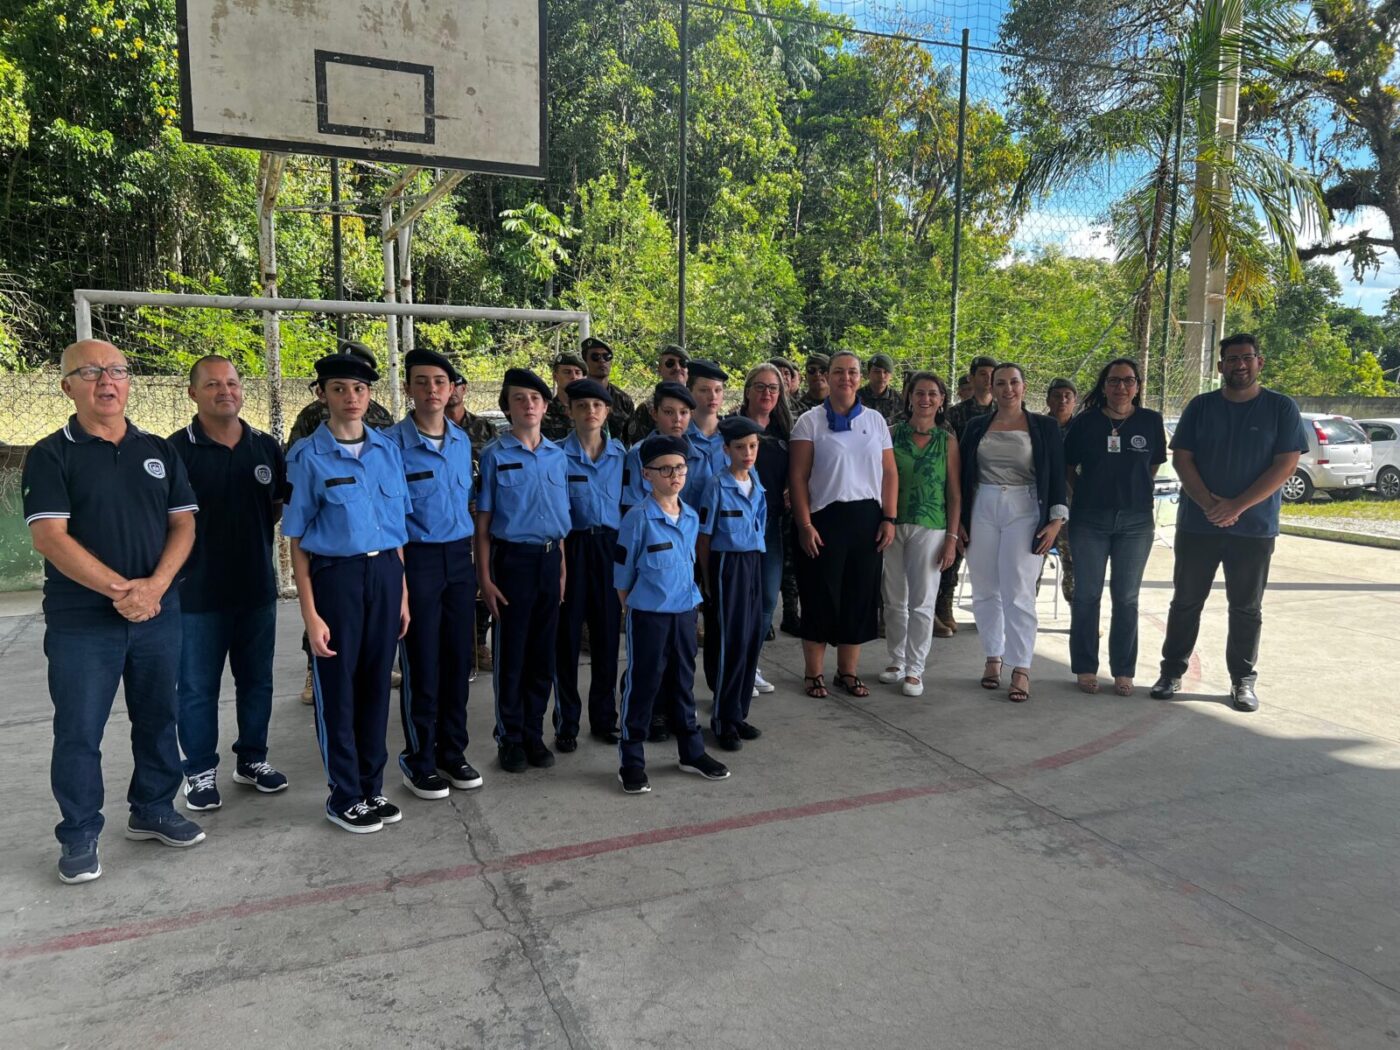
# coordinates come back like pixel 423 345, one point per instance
pixel 534 858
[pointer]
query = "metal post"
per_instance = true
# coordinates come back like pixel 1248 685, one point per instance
pixel 683 173
pixel 1171 232
pixel 406 340
pixel 957 218
pixel 82 311
pixel 391 327
pixel 270 168
pixel 337 248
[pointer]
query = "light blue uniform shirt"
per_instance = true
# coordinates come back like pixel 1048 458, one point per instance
pixel 712 448
pixel 439 483
pixel 636 488
pixel 342 506
pixel 524 491
pixel 734 522
pixel 655 559
pixel 595 488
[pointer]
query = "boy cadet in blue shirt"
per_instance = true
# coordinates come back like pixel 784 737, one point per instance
pixel 522 517
pixel 655 580
pixel 595 493
pixel 733 513
pixel 436 655
pixel 671 406
pixel 347 523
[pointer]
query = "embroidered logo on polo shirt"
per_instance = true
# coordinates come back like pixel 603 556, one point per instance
pixel 1139 441
pixel 263 473
pixel 155 468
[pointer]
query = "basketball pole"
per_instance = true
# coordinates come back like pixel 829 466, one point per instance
pixel 342 330
pixel 270 169
pixel 682 174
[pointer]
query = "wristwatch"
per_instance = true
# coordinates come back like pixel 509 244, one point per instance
pixel 886 517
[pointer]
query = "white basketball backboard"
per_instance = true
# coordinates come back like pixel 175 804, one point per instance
pixel 442 83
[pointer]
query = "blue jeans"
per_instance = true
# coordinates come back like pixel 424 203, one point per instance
pixel 771 575
pixel 86 664
pixel 244 637
pixel 1099 537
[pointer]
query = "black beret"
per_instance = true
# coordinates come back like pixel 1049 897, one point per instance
pixel 351 346
pixel 345 366
pixel 594 343
pixel 663 445
pixel 672 350
pixel 732 428
pixel 700 369
pixel 581 389
pixel 427 358
pixel 675 390
pixel 527 379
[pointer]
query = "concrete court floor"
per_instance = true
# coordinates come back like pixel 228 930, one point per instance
pixel 953 871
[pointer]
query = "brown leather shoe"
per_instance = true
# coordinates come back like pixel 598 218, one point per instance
pixel 308 694
pixel 941 629
pixel 483 658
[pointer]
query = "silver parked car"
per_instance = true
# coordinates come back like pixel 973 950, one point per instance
pixel 1385 454
pixel 1337 462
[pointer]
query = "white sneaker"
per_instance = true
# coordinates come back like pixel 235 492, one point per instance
pixel 890 675
pixel 915 688
pixel 761 684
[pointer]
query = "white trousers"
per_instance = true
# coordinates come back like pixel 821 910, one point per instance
pixel 910 588
pixel 1004 571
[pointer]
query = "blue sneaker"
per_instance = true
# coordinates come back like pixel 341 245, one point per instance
pixel 78 862
pixel 259 775
pixel 169 828
pixel 201 792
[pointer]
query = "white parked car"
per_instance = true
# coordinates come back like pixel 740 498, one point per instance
pixel 1385 454
pixel 1337 462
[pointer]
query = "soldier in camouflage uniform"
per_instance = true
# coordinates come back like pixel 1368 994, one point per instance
pixel 481 433
pixel 878 393
pixel 557 423
pixel 817 388
pixel 672 366
pixel 598 358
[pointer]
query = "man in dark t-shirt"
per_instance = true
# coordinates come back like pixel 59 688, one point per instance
pixel 1233 450
pixel 959 416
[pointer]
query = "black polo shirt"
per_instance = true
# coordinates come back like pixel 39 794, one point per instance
pixel 117 500
pixel 238 489
pixel 1115 480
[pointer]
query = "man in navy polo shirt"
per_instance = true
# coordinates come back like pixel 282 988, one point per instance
pixel 110 509
pixel 228 599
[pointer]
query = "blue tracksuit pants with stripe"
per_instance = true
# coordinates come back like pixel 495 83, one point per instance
pixel 359 598
pixel 660 677
pixel 733 634
pixel 435 657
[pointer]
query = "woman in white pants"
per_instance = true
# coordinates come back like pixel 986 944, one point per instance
pixel 1013 483
pixel 926 457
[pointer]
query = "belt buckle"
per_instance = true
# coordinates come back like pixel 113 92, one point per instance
pixel 548 546
pixel 373 554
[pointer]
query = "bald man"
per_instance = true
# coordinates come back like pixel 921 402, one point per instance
pixel 110 509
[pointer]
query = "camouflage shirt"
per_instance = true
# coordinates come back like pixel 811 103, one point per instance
pixel 557 423
pixel 623 409
pixel 638 425
pixel 805 402
pixel 964 412
pixel 316 413
pixel 479 430
pixel 889 404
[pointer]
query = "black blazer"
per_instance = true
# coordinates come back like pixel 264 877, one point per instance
pixel 1047 458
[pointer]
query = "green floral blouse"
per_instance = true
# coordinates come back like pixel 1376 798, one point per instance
pixel 923 478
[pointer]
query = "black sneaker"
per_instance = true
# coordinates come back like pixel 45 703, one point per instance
pixel 78 862
pixel 538 755
pixel 791 627
pixel 604 736
pixel 168 828
pixel 1165 688
pixel 566 744
pixel 729 741
pixel 748 732
pixel 707 767
pixel 261 776
pixel 634 781
pixel 660 733
pixel 359 819
pixel 427 786
pixel 1242 695
pixel 512 757
pixel 386 811
pixel 202 792
pixel 460 774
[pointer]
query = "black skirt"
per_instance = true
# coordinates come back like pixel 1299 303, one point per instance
pixel 840 588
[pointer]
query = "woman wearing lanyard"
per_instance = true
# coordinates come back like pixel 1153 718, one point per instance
pixel 844 493
pixel 765 404
pixel 1013 483
pixel 930 496
pixel 1112 452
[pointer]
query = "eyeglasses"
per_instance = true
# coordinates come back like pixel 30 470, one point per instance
pixel 1237 359
pixel 1121 381
pixel 766 388
pixel 600 357
pixel 670 472
pixel 91 373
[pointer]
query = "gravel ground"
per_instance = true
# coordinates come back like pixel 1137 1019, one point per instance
pixel 1368 526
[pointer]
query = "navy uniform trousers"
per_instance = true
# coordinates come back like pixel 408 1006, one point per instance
pixel 589 598
pixel 359 598
pixel 660 679
pixel 436 655
pixel 525 636
pixel 733 634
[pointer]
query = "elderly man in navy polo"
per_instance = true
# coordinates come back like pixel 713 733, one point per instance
pixel 111 510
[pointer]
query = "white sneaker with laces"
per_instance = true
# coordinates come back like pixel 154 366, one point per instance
pixel 761 684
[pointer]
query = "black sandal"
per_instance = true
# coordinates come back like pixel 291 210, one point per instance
pixel 992 681
pixel 853 686
pixel 1016 694
pixel 816 688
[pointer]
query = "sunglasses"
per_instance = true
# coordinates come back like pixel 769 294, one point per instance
pixel 816 371
pixel 603 356
pixel 671 362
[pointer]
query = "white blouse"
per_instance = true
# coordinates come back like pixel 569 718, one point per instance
pixel 848 466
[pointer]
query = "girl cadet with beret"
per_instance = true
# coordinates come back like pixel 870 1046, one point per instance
pixel 347 521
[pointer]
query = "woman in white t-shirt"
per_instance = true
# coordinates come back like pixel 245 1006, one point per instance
pixel 844 490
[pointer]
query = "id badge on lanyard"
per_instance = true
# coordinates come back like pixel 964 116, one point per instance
pixel 1115 443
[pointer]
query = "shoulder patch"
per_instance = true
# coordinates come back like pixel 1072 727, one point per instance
pixel 704 513
pixel 620 554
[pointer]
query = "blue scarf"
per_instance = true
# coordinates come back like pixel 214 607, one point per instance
pixel 836 421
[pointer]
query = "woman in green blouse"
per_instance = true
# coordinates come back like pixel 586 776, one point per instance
pixel 926 456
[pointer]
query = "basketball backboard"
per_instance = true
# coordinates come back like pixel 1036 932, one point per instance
pixel 441 83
